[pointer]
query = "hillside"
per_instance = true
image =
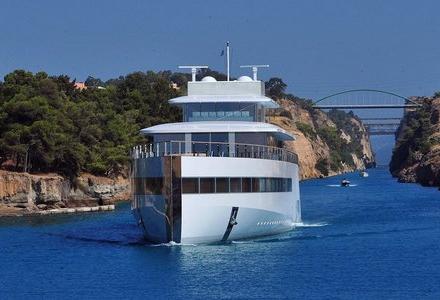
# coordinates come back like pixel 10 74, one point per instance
pixel 327 143
pixel 416 155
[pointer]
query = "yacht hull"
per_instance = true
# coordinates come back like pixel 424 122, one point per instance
pixel 212 217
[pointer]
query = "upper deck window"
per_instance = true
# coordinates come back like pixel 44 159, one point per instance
pixel 222 111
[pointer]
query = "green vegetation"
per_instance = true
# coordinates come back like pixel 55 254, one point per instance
pixel 307 130
pixel 62 129
pixel 415 139
pixel 344 121
pixel 322 165
pixel 340 149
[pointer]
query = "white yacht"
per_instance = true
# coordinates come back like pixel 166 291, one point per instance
pixel 222 174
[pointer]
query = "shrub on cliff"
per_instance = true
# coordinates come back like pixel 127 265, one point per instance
pixel 307 130
pixel 340 149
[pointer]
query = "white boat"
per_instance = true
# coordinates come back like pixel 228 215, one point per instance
pixel 345 183
pixel 221 174
pixel 363 174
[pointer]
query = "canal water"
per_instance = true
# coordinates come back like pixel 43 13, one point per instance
pixel 377 239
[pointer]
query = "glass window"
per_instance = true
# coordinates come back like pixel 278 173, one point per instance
pixel 250 138
pixel 221 137
pixel 208 111
pixel 229 109
pixel 246 185
pixel 255 185
pixel 190 185
pixel 284 185
pixel 192 111
pixel 235 185
pixel 168 137
pixel 248 111
pixel 263 187
pixel 222 185
pixel 153 185
pixel 207 185
pixel 200 144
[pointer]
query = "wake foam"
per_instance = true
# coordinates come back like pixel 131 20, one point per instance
pixel 301 224
pixel 172 244
pixel 338 185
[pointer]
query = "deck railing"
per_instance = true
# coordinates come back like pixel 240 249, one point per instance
pixel 213 149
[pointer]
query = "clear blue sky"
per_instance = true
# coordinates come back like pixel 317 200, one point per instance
pixel 317 47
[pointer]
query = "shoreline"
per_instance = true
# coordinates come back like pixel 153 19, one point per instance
pixel 11 211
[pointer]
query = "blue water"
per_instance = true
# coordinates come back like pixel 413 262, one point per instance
pixel 378 239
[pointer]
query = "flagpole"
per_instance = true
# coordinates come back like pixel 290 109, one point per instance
pixel 227 60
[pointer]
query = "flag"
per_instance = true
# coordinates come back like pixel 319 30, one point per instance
pixel 223 53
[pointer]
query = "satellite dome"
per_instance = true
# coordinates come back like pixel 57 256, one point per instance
pixel 244 78
pixel 208 79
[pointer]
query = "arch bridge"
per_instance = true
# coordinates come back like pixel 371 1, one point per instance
pixel 380 111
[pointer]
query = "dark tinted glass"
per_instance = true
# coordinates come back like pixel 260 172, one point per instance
pixel 222 185
pixel 262 184
pixel 217 185
pixel 202 140
pixel 207 185
pixel 235 185
pixel 255 185
pixel 153 185
pixel 192 112
pixel 190 185
pixel 246 185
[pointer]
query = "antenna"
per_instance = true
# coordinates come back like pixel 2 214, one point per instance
pixel 255 69
pixel 193 70
pixel 227 60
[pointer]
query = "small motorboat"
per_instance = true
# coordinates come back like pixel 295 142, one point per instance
pixel 363 174
pixel 345 183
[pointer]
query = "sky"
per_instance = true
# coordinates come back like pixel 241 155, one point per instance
pixel 316 47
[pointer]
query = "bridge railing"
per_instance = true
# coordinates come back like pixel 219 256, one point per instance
pixel 213 149
pixel 365 99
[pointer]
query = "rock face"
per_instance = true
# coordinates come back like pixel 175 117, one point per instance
pixel 416 156
pixel 40 192
pixel 324 146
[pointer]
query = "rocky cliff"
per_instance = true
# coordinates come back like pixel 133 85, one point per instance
pixel 26 193
pixel 416 155
pixel 326 143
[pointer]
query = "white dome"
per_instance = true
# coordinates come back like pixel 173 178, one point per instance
pixel 209 79
pixel 244 78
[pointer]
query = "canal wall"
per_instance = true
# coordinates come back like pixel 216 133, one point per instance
pixel 416 155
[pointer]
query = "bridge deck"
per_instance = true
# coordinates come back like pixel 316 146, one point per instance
pixel 365 106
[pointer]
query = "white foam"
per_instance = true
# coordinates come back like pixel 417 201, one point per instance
pixel 301 224
pixel 172 244
pixel 242 242
pixel 338 185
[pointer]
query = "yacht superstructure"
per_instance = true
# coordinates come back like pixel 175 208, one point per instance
pixel 219 175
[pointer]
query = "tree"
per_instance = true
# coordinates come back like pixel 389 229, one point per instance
pixel 275 88
pixel 93 82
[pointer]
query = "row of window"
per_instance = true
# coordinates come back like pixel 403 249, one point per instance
pixel 221 111
pixel 195 185
pixel 235 185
